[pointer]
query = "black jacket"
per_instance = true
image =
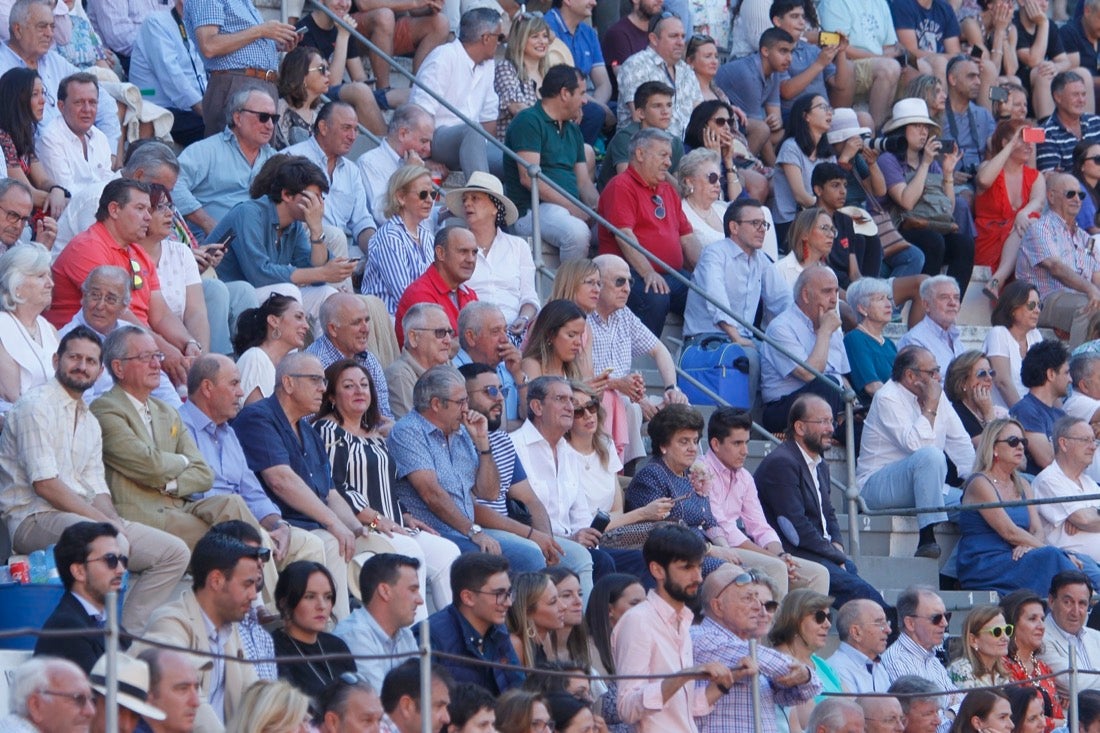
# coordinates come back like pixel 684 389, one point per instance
pixel 82 650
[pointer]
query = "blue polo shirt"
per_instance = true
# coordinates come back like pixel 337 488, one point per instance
pixel 803 57
pixel 743 82
pixel 268 439
pixel 584 44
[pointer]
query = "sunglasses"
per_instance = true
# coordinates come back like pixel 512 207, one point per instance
pixel 1033 305
pixel 821 616
pixel 591 408
pixel 1094 159
pixel 1014 441
pixel 1075 194
pixel 713 178
pixel 656 20
pixel 983 373
pixel 322 68
pixel 263 117
pixel 935 619
pixel 439 333
pixel 659 203
pixel 425 194
pixel 720 121
pixel 111 560
pixel 771 606
pixel 494 391
pixel 620 281
pixel 138 280
pixel 998 631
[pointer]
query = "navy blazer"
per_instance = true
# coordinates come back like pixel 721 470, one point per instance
pixel 84 650
pixel 793 506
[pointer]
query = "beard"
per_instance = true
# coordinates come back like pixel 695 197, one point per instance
pixel 678 592
pixel 817 443
pixel 77 383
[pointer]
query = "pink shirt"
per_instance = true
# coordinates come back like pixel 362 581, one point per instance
pixel 654 638
pixel 733 496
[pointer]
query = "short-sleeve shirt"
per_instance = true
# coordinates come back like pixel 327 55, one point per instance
pixel 931 25
pixel 622 40
pixel 1057 150
pixel 867 23
pixel 1036 417
pixel 971 130
pixel 802 57
pixel 325 40
pixel 560 148
pixel 743 82
pixel 794 331
pixel 786 207
pixel 268 440
pixel 628 202
pixel 232 16
pixel 1074 41
pixel 1024 39
pixel 583 43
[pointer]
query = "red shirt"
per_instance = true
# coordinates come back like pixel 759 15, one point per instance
pixel 88 250
pixel 430 288
pixel 628 202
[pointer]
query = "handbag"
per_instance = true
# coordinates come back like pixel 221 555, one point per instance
pixel 632 536
pixel 934 210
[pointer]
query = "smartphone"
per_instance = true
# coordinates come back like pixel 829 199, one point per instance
pixel 947 145
pixel 998 94
pixel 975 52
pixel 828 38
pixel 301 31
pixel 600 521
pixel 1034 135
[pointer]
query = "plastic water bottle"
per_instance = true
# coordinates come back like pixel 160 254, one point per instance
pixel 39 571
pixel 52 576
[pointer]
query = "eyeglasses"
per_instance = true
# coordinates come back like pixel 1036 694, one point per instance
pixel 79 698
pixel 713 178
pixel 592 283
pixel 828 229
pixel 493 391
pixel 317 379
pixel 502 595
pixel 263 117
pixel 930 372
pixel 439 333
pixel 1081 440
pixel 461 401
pixel 620 281
pixel 135 270
pixel 13 217
pixel 111 560
pixel 720 121
pixel 756 223
pixel 538 725
pixel 323 68
pixel 822 105
pixel 998 631
pixel 821 616
pixel 658 202
pixel 935 619
pixel 94 296
pixel 820 421
pixel 1014 441
pixel 157 356
pixel 1074 193
pixel 892 722
pixel 591 408
pixel 984 373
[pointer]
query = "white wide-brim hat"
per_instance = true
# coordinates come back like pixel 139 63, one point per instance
pixel 488 184
pixel 908 112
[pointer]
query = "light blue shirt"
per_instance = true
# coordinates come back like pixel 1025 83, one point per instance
pixel 258 254
pixel 215 176
pixel 166 64
pixel 232 16
pixel 418 445
pixel 53 67
pixel 346 201
pixel 794 331
pixel 945 344
pixel 365 637
pixel 731 277
pixel 223 453
pixel 851 665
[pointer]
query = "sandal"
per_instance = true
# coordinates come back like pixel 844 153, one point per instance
pixel 992 290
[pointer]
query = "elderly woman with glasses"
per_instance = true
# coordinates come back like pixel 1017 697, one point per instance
pixel 1002 548
pixel 27 340
pixel 985 643
pixel 1026 611
pixel 1015 321
pixel 801 630
pixel 870 354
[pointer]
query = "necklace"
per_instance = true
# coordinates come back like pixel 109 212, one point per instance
pixel 309 663
pixel 880 339
pixel 1034 665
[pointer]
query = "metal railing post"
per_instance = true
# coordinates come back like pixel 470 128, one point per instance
pixel 851 491
pixel 1073 686
pixel 757 720
pixel 111 650
pixel 536 230
pixel 425 678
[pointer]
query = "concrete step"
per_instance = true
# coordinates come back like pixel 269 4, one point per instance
pixel 896 537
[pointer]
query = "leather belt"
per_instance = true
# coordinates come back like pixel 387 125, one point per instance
pixel 264 74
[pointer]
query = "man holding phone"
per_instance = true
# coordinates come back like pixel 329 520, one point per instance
pixel 823 69
pixel 969 123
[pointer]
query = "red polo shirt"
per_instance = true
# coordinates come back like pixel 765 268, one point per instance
pixel 628 203
pixel 430 288
pixel 88 250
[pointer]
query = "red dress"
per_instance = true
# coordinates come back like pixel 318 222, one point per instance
pixel 994 217
pixel 1017 673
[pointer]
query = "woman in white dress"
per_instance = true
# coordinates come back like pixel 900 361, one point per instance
pixel 1015 329
pixel 264 336
pixel 27 341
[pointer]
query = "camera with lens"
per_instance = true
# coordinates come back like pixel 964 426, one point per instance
pixel 888 144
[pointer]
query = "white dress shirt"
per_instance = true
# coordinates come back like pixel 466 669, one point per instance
pixel 63 155
pixel 1052 482
pixel 346 202
pixel 467 86
pixel 1056 644
pixel 895 428
pixel 506 276
pixel 857 671
pixel 555 482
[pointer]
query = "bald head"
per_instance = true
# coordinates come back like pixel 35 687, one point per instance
pixel 346 321
pixel 615 275
pixel 881 714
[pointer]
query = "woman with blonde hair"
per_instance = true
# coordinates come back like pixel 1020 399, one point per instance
pixel 519 74
pixel 27 340
pixel 809 242
pixel 534 615
pixel 985 644
pixel 271 707
pixel 404 245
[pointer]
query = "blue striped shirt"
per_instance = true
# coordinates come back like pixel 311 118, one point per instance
pixel 396 260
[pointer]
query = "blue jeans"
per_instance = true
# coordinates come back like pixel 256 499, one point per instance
pixel 916 481
pixel 653 308
pixel 906 262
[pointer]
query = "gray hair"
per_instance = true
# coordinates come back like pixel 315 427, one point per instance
pixel 7 184
pixel 1092 4
pixel 645 137
pixel 205 367
pixel 472 318
pixel 331 306
pixel 16 265
pixel 33 676
pixel 407 116
pixel 290 364
pixel 21 11
pixel 832 713
pixel 1061 429
pixel 909 599
pixel 117 343
pixel 862 290
pixel 805 277
pixel 150 157
pixel 691 163
pixel 436 383
pixel 239 100
pixel 1082 365
pixel 540 387
pixel 414 317
pixel 847 617
pixel 928 287
pixel 476 22
pixel 910 689
pixel 109 274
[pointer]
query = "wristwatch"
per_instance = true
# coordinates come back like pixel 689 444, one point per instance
pixel 474 529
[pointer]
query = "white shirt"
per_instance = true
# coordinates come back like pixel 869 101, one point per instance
pixel 945 345
pixel 999 342
pixel 62 154
pixel 78 215
pixel 467 86
pixel 812 463
pixel 376 166
pixel 555 482
pixel 895 428
pixel 1082 406
pixel 1053 482
pixel 506 276
pixel 1055 653
pixel 177 271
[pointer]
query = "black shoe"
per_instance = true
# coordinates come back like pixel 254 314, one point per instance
pixel 930 550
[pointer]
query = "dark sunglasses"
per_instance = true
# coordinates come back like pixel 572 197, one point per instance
pixel 713 178
pixel 771 606
pixel 263 117
pixel 935 619
pixel 1075 194
pixel 998 631
pixel 659 203
pixel 591 408
pixel 983 373
pixel 1094 159
pixel 821 616
pixel 111 560
pixel 1033 304
pixel 620 281
pixel 425 194
pixel 1014 441
pixel 720 121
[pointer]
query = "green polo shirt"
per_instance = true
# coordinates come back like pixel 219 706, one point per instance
pixel 560 148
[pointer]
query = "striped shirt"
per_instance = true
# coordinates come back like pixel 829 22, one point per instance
pixel 396 260
pixel 905 657
pixel 508 466
pixel 1056 152
pixel 1049 238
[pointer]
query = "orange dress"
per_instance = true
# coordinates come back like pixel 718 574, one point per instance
pixel 994 217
